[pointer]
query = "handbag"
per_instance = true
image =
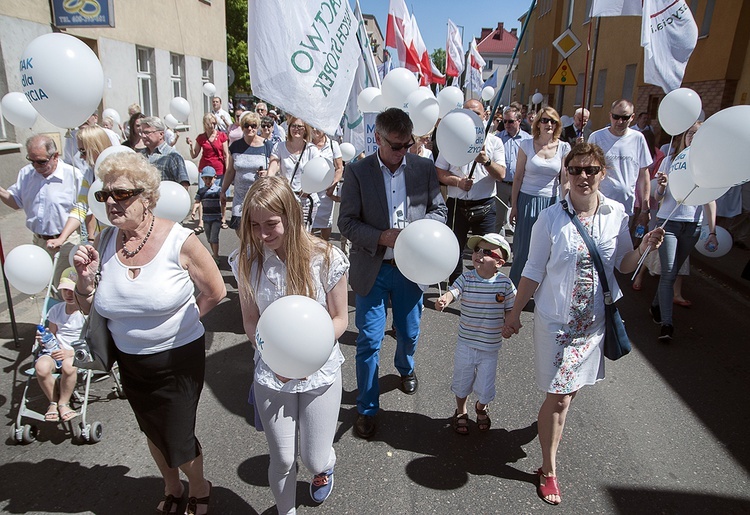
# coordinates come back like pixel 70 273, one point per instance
pixel 616 340
pixel 477 212
pixel 96 350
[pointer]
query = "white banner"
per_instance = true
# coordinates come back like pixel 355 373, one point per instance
pixel 616 8
pixel 302 57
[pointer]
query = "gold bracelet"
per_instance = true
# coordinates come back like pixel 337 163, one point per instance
pixel 84 295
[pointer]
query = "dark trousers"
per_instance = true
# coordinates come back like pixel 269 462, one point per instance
pixel 461 226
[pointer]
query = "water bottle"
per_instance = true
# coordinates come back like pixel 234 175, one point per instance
pixel 48 339
pixel 640 231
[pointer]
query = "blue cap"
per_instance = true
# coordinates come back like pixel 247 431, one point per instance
pixel 208 171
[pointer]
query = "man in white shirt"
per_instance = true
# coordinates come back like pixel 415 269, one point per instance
pixel 223 121
pixel 471 197
pixel 511 136
pixel 47 190
pixel 627 154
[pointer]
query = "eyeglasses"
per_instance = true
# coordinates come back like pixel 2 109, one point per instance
pixel 82 151
pixel 487 252
pixel 266 125
pixel 588 170
pixel 548 120
pixel 622 117
pixel 250 125
pixel 117 194
pixel 398 148
pixel 506 122
pixel 146 133
pixel 297 127
pixel 40 162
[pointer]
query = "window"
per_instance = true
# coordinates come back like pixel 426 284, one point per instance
pixel 146 80
pixel 488 65
pixel 522 94
pixel 579 90
pixel 629 82
pixel 540 62
pixel 708 14
pixel 545 6
pixel 207 75
pixel 601 83
pixel 177 74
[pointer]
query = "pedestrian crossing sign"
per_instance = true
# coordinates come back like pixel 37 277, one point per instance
pixel 563 76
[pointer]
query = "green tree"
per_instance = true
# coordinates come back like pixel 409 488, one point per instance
pixel 236 13
pixel 438 57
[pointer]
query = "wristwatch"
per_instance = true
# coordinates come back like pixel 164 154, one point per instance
pixel 488 162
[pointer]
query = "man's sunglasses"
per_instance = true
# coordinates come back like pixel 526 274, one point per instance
pixel 397 148
pixel 117 194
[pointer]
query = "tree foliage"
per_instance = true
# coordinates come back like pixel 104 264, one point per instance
pixel 236 19
pixel 438 57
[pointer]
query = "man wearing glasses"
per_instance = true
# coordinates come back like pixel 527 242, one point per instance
pixel 511 136
pixel 382 193
pixel 627 153
pixel 168 160
pixel 46 189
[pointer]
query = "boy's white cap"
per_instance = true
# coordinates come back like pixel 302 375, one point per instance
pixel 493 239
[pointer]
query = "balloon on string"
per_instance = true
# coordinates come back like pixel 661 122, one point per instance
pixel 192 171
pixel 679 110
pixel 347 151
pixel 423 110
pixel 174 201
pixel 180 109
pixel 114 149
pixel 682 186
pixel 317 175
pixel 366 100
pixel 723 237
pixel 28 268
pixel 170 121
pixel 209 89
pixel 111 113
pixel 295 336
pixel 537 98
pixel 18 110
pixel 449 98
pixel 427 251
pixel 460 136
pixel 98 208
pixel 718 154
pixel 487 93
pixel 397 86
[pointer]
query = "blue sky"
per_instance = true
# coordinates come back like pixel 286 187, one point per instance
pixel 432 16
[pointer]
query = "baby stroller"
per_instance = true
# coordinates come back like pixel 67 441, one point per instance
pixel 24 431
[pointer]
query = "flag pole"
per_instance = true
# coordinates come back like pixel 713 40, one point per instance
pixel 499 94
pixel 8 296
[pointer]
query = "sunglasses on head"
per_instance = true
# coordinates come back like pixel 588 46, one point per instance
pixel 487 252
pixel 117 194
pixel 588 170
pixel 548 120
pixel 622 117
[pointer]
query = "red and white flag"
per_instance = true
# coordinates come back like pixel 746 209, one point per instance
pixel 437 77
pixel 424 57
pixel 398 35
pixel 454 51
pixel 474 65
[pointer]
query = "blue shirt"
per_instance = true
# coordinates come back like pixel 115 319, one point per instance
pixel 511 145
pixel 209 198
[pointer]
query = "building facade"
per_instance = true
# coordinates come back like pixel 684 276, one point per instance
pixel 496 48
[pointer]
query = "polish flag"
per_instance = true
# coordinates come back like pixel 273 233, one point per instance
pixel 454 52
pixel 398 35
pixel 437 77
pixel 424 56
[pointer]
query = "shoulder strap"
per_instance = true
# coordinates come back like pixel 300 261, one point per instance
pixel 593 252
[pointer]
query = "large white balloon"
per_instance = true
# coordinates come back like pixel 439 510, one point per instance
pixel 423 109
pixel 682 186
pixel 115 149
pixel 18 110
pixel 427 251
pixel 317 175
pixel 170 121
pixel 449 98
pixel 722 235
pixel 28 268
pixel 180 109
pixel 718 154
pixel 209 89
pixel 174 201
pixel 295 336
pixel 397 86
pixel 487 93
pixel 460 136
pixel 111 113
pixel 192 170
pixel 98 208
pixel 537 98
pixel 347 151
pixel 679 110
pixel 62 78
pixel 367 100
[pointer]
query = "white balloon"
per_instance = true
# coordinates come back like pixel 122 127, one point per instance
pixel 722 235
pixel 114 149
pixel 460 136
pixel 180 109
pixel 63 79
pixel 427 251
pixel 209 89
pixel 537 98
pixel 718 154
pixel 423 109
pixel 295 336
pixel 347 151
pixel 170 121
pixel 365 100
pixel 111 113
pixel 98 208
pixel 682 186
pixel 28 268
pixel 377 104
pixel 317 175
pixel 679 110
pixel 449 98
pixel 174 201
pixel 18 110
pixel 415 97
pixel 192 170
pixel 487 93
pixel 397 86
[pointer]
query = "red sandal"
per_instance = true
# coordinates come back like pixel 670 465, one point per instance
pixel 550 487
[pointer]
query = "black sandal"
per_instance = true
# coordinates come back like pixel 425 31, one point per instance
pixel 461 423
pixel 167 503
pixel 199 230
pixel 483 423
pixel 193 502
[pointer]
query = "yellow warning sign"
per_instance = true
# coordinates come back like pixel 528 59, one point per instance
pixel 563 76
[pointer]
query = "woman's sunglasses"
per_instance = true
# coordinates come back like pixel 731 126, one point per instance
pixel 588 170
pixel 117 194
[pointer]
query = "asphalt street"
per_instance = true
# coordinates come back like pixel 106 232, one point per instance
pixel 663 433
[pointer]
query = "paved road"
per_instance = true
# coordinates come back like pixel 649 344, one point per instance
pixel 664 433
